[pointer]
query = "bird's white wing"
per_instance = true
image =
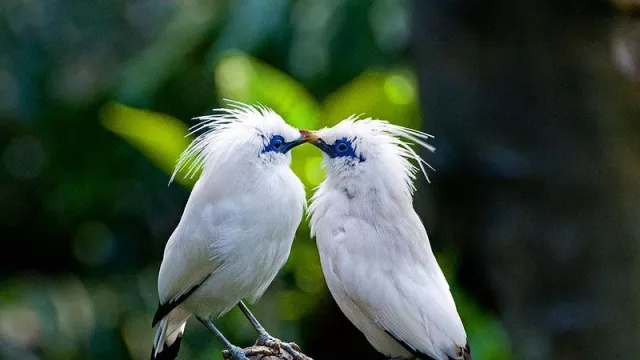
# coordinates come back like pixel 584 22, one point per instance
pixel 233 238
pixel 184 267
pixel 410 300
pixel 188 257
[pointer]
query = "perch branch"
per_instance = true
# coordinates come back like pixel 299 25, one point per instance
pixel 259 352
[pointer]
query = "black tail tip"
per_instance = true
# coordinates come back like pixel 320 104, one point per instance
pixel 467 353
pixel 168 352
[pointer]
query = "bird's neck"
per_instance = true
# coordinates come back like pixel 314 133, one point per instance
pixel 371 193
pixel 231 173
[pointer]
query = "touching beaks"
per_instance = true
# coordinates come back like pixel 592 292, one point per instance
pixel 308 136
pixel 317 141
pixel 305 136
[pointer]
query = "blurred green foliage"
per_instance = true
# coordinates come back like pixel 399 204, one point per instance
pixel 88 200
pixel 160 137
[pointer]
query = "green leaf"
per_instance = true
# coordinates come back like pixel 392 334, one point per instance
pixel 160 137
pixel 391 96
pixel 243 78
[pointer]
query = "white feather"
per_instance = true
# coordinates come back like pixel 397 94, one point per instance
pixel 240 220
pixel 374 250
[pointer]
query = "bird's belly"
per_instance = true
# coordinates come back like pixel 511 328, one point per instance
pixel 248 240
pixel 249 271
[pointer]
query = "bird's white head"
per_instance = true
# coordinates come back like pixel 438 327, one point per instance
pixel 244 135
pixel 368 150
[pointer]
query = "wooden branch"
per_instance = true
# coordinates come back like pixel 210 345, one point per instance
pixel 259 352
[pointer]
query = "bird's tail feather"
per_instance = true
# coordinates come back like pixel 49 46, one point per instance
pixel 467 353
pixel 169 335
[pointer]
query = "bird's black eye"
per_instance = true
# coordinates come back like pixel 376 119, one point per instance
pixel 277 144
pixel 342 147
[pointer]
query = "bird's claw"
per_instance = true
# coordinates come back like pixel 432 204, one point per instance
pixel 262 351
pixel 235 353
pixel 292 348
pixel 269 341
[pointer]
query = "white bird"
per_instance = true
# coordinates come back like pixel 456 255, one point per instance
pixel 238 225
pixel 374 250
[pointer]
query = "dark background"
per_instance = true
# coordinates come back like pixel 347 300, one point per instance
pixel 532 210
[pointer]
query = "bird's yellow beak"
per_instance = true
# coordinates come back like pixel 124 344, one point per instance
pixel 305 136
pixel 308 136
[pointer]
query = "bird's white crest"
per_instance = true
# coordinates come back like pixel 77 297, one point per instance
pixel 230 128
pixel 383 142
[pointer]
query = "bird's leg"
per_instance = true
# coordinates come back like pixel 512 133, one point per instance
pixel 236 352
pixel 267 340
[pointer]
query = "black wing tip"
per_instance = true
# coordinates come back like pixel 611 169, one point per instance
pixel 158 316
pixel 409 348
pixel 165 309
pixel 466 355
pixel 169 352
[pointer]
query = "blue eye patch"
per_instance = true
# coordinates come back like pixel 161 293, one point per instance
pixel 340 148
pixel 276 144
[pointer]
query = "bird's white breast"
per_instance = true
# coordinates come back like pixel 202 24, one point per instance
pixel 244 227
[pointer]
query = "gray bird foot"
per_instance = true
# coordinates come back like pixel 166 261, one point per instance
pixel 292 348
pixel 235 353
